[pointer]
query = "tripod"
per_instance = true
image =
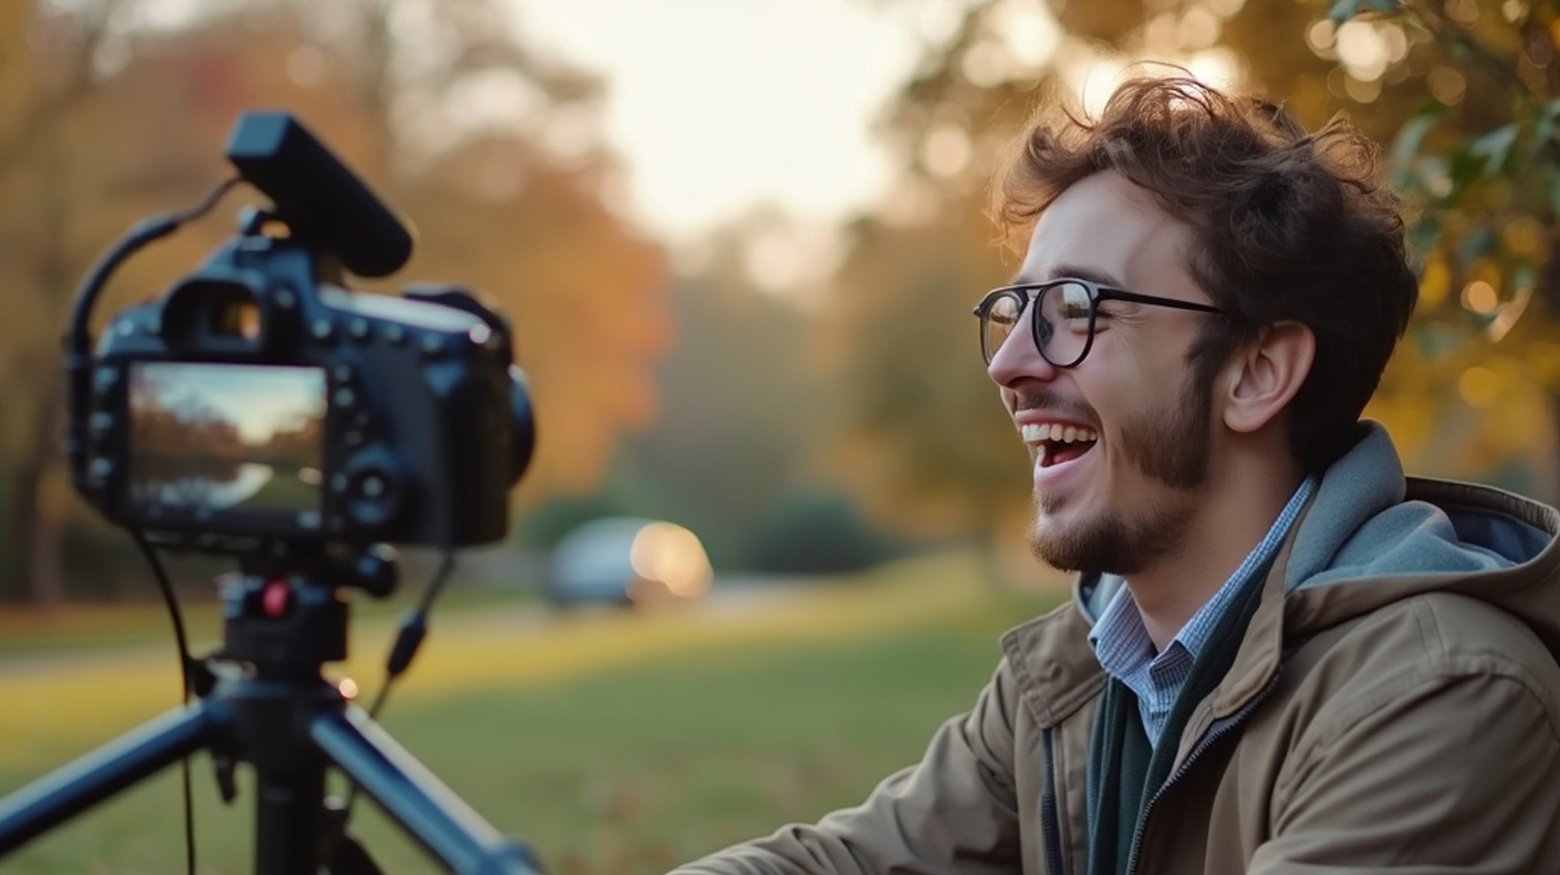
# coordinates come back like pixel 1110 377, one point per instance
pixel 266 704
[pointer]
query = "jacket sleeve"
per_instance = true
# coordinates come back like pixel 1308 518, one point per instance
pixel 1438 775
pixel 952 813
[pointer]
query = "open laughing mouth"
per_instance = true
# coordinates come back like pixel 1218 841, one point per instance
pixel 1055 443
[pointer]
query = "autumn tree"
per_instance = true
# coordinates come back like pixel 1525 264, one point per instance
pixel 46 75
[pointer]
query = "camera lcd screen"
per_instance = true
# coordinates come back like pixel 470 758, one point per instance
pixel 223 439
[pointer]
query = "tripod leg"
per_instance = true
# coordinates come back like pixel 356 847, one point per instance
pixel 289 817
pixel 408 792
pixel 77 786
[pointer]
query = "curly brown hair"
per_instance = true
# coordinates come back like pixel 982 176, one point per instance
pixel 1287 226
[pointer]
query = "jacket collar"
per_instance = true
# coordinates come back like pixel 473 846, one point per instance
pixel 1050 657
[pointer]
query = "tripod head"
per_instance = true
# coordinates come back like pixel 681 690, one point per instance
pixel 288 615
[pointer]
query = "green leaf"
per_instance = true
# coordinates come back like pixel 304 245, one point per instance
pixel 1495 147
pixel 1464 169
pixel 1423 237
pixel 1476 243
pixel 1435 340
pixel 1343 10
pixel 1524 274
pixel 1408 172
pixel 1546 132
pixel 1412 136
pixel 1544 126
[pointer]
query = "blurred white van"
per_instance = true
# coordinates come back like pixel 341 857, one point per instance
pixel 628 560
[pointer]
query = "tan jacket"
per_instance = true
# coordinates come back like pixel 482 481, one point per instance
pixel 1400 722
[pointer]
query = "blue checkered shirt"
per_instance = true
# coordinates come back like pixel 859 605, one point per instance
pixel 1125 651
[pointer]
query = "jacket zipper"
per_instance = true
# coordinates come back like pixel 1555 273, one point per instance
pixel 1208 741
pixel 1050 822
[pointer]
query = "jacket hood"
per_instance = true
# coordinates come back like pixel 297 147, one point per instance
pixel 1367 520
pixel 1372 536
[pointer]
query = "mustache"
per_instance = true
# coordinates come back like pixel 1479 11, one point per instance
pixel 1048 400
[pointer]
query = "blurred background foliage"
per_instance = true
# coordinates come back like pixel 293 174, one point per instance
pixel 797 425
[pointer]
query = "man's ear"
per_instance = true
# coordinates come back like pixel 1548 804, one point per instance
pixel 1271 370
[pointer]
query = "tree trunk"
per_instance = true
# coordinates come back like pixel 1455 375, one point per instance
pixel 41 503
pixel 38 499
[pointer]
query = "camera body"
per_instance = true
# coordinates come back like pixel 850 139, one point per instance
pixel 260 400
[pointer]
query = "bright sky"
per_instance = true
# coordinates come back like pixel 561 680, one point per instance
pixel 719 104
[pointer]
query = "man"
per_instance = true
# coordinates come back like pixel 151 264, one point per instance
pixel 1281 656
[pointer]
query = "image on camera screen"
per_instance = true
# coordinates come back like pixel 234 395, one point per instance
pixel 227 438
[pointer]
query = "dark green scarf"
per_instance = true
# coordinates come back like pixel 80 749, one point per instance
pixel 1124 769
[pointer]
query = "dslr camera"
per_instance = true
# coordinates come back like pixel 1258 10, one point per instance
pixel 262 401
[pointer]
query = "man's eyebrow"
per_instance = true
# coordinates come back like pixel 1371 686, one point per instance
pixel 1075 271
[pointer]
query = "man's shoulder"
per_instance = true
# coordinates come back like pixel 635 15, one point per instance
pixel 1458 632
pixel 1423 640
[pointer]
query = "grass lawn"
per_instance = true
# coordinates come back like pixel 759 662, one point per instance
pixel 612 744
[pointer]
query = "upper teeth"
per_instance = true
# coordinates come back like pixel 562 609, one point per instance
pixel 1053 432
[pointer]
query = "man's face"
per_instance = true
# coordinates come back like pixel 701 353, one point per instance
pixel 1121 442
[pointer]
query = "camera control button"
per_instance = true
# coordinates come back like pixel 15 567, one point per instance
pixel 105 380
pixel 373 486
pixel 359 329
pixel 395 334
pixel 276 598
pixel 322 329
pixel 373 499
pixel 432 344
pixel 345 397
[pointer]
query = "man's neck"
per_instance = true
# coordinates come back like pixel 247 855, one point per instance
pixel 1243 499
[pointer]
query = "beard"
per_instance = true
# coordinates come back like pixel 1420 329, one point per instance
pixel 1119 543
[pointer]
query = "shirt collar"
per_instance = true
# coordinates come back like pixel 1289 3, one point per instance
pixel 1121 642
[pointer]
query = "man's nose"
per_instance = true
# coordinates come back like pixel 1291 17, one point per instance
pixel 1018 359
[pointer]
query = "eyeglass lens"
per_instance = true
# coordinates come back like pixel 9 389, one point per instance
pixel 1061 330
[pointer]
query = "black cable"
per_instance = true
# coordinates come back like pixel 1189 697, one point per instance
pixel 407 640
pixel 78 333
pixel 144 232
pixel 181 640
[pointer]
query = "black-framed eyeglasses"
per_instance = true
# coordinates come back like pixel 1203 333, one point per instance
pixel 1062 318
